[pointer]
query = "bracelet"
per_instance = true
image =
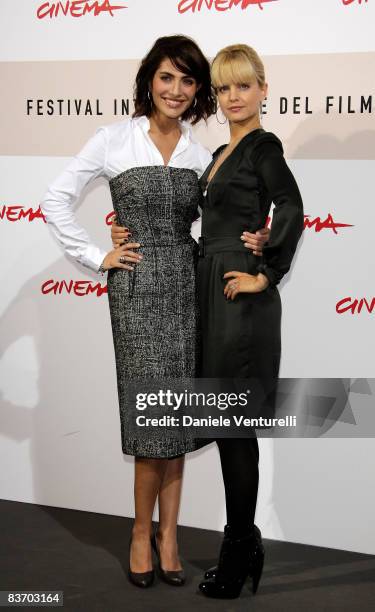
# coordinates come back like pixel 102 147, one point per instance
pixel 102 270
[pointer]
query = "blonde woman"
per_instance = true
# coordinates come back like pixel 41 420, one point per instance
pixel 240 306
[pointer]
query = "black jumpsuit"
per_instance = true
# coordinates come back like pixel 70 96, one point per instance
pixel 241 338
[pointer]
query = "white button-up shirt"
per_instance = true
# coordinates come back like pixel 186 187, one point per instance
pixel 112 150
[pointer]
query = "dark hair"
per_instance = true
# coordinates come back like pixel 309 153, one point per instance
pixel 187 57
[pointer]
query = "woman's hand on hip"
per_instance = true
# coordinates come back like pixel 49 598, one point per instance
pixel 123 257
pixel 119 234
pixel 255 242
pixel 241 282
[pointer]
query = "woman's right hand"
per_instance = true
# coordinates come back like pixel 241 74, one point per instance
pixel 256 241
pixel 119 234
pixel 125 251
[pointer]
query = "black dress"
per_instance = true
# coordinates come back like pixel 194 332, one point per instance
pixel 241 338
pixel 154 310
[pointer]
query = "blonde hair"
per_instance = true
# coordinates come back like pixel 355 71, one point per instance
pixel 237 64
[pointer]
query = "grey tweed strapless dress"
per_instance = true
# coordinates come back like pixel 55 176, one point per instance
pixel 154 313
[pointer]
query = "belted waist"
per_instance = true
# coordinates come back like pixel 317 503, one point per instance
pixel 220 244
pixel 162 244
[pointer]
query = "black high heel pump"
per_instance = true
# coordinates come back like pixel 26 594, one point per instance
pixel 140 579
pixel 171 577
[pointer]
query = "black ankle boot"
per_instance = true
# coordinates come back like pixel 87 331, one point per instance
pixel 239 557
pixel 212 571
pixel 256 559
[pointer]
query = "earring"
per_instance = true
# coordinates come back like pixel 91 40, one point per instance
pixel 261 111
pixel 149 97
pixel 218 120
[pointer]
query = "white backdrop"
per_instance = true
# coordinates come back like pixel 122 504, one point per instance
pixel 60 436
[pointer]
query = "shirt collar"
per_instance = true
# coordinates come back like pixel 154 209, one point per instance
pixel 185 127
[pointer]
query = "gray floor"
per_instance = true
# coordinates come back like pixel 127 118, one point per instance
pixel 86 556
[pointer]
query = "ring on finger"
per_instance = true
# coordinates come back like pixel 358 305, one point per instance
pixel 122 259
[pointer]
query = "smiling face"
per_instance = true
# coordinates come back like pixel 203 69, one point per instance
pixel 173 92
pixel 241 102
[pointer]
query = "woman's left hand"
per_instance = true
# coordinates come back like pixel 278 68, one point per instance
pixel 241 282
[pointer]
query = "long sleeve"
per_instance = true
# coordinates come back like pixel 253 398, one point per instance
pixel 57 205
pixel 288 219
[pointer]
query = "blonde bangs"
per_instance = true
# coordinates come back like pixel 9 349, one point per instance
pixel 228 70
pixel 237 64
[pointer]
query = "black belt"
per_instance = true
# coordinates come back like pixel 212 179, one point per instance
pixel 221 244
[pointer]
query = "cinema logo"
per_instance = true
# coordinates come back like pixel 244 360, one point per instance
pixel 317 223
pixel 14 213
pixel 323 224
pixel 219 5
pixel 346 2
pixel 77 8
pixel 355 305
pixel 80 288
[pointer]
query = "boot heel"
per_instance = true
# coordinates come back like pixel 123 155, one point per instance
pixel 257 573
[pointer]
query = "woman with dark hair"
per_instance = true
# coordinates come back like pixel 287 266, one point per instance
pixel 152 163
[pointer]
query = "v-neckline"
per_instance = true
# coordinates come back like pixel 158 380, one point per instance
pixel 158 150
pixel 208 182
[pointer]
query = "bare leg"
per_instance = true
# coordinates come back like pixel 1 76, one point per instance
pixel 169 504
pixel 148 477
